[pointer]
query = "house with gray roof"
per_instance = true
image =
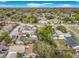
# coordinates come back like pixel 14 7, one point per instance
pixel 59 34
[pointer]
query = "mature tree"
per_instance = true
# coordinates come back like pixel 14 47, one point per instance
pixel 30 19
pixel 45 50
pixel 45 33
pixel 49 17
pixel 62 28
pixel 66 19
pixel 5 36
pixel 8 14
pixel 1 24
pixel 76 17
pixel 67 55
pixel 20 55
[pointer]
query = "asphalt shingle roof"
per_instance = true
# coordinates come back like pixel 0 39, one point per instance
pixel 71 41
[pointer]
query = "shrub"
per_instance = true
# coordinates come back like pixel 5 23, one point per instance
pixel 62 28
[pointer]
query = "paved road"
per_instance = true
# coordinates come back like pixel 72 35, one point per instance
pixel 15 31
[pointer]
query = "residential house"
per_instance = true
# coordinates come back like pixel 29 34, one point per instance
pixel 13 50
pixel 29 51
pixel 29 31
pixel 43 22
pixel 59 34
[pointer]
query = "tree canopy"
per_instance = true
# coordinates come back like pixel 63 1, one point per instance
pixel 62 29
pixel 45 33
pixel 5 36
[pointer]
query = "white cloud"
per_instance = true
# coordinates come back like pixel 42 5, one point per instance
pixel 33 5
pixel 77 1
pixel 14 6
pixel 3 1
pixel 39 5
pixel 38 0
pixel 48 5
pixel 3 5
pixel 66 5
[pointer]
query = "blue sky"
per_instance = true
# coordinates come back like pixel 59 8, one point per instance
pixel 39 4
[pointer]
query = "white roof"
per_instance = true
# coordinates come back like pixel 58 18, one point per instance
pixel 76 47
pixel 42 21
pixel 67 35
pixel 24 31
pixel 34 37
pixel 58 32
